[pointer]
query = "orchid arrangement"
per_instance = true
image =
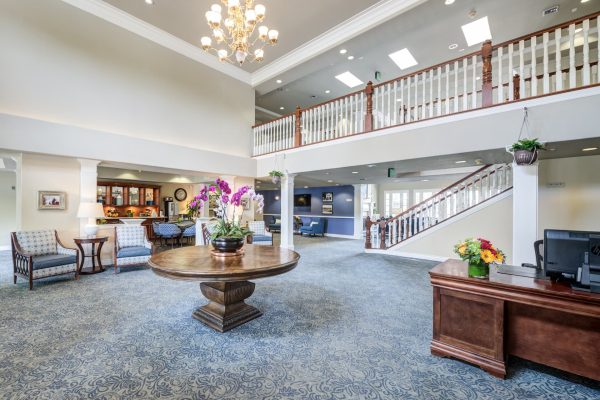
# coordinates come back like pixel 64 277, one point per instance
pixel 228 226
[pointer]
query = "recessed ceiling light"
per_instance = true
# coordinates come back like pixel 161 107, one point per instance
pixel 399 100
pixel 477 31
pixel 349 79
pixel 574 9
pixel 449 2
pixel 328 91
pixel 371 165
pixel 329 181
pixel 276 197
pixel 460 162
pixel 478 78
pixel 149 2
pixel 350 58
pixel 424 180
pixel 282 108
pixel 589 149
pixel 403 59
pixel 337 184
pixel 453 46
pixel 279 81
pixel 355 172
pixel 553 149
pixel 305 187
pixel 343 51
pixel 584 1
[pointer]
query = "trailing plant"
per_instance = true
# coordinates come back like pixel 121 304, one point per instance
pixel 527 144
pixel 276 173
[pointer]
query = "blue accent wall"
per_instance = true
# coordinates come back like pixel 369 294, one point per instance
pixel 343 206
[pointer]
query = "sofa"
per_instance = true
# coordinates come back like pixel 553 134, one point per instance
pixel 316 226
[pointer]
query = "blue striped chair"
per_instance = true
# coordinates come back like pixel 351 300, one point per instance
pixel 189 233
pixel 259 234
pixel 132 246
pixel 169 231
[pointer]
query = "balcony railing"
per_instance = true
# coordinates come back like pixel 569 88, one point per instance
pixel 558 59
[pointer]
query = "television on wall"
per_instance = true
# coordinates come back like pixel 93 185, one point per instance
pixel 302 200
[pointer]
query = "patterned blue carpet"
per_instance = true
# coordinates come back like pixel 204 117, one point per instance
pixel 342 325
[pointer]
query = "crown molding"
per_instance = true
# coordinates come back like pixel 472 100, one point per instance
pixel 269 112
pixel 135 25
pixel 373 16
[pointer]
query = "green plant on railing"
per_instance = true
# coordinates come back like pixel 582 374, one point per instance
pixel 527 145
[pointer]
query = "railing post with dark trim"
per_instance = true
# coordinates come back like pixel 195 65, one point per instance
pixel 487 95
pixel 298 128
pixel 369 113
pixel 516 87
pixel 368 224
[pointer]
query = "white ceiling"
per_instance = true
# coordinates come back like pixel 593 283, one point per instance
pixel 297 21
pixel 426 30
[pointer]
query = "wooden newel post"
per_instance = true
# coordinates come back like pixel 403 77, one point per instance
pixel 368 225
pixel 369 113
pixel 298 128
pixel 516 87
pixel 487 96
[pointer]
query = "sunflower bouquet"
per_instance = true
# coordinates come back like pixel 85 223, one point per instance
pixel 479 253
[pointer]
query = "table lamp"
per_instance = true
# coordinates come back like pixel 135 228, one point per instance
pixel 91 211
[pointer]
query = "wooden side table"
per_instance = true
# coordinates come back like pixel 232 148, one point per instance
pixel 95 256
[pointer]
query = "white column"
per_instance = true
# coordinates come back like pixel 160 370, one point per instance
pixel 358 222
pixel 525 213
pixel 287 211
pixel 88 184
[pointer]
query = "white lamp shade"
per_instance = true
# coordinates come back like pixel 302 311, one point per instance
pixel 90 210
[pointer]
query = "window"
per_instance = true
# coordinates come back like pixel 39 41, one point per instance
pixel 396 201
pixel 423 194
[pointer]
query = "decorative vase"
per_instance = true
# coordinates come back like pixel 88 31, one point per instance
pixel 525 157
pixel 228 245
pixel 275 179
pixel 479 270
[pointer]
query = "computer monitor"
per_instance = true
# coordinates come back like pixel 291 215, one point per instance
pixel 565 251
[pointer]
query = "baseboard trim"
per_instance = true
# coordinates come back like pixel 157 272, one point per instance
pixel 335 235
pixel 4 248
pixel 418 256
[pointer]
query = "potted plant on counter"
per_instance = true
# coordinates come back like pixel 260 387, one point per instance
pixel 479 253
pixel 276 176
pixel 228 235
pixel 525 151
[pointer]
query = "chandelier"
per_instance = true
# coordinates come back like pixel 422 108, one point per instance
pixel 236 34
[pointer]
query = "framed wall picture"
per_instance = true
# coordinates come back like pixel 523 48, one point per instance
pixel 327 209
pixel 52 200
pixel 327 197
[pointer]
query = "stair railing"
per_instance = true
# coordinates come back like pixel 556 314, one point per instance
pixel 474 189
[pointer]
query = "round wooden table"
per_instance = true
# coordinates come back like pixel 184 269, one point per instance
pixel 224 280
pixel 95 256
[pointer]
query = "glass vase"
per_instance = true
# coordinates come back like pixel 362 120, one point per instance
pixel 479 270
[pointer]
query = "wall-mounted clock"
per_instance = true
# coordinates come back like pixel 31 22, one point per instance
pixel 180 194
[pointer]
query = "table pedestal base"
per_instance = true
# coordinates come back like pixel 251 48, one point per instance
pixel 226 309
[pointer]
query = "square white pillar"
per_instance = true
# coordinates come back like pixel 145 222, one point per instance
pixel 88 185
pixel 525 213
pixel 287 211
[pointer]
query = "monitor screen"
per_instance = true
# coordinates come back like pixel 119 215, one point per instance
pixel 564 251
pixel 302 200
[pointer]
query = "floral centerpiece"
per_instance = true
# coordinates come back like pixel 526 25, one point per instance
pixel 228 235
pixel 479 253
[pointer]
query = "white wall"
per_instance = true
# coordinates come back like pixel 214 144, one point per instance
pixel 8 206
pixel 575 206
pixel 64 65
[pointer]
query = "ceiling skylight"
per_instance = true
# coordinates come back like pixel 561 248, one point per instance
pixel 349 79
pixel 477 31
pixel 403 59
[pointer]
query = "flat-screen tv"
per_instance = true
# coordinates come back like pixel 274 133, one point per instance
pixel 302 200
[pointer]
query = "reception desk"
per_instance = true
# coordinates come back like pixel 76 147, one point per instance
pixel 483 322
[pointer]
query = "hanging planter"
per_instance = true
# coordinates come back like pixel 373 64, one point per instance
pixel 525 151
pixel 276 176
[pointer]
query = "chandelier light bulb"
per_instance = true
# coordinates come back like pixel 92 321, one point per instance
pixel 263 32
pixel 273 35
pixel 229 23
pixel 213 18
pixel 218 34
pixel 259 54
pixel 216 8
pixel 222 54
pixel 233 4
pixel 240 56
pixel 250 17
pixel 206 42
pixel 260 11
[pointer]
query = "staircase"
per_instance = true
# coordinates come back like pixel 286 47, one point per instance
pixel 477 188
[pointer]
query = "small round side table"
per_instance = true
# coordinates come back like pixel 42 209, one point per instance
pixel 95 256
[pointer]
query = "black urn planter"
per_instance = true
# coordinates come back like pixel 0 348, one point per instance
pixel 525 157
pixel 228 245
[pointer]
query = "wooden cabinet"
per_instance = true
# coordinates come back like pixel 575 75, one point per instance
pixel 129 199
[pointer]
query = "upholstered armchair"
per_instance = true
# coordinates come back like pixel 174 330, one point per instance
pixel 40 254
pixel 315 227
pixel 132 246
pixel 259 234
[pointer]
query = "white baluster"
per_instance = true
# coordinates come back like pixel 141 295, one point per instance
pixel 416 115
pixel 408 97
pixel 430 93
pixel 597 57
pixel 439 92
pixel 572 70
pixel 456 86
pixel 522 69
pixel 510 73
pixel 395 104
pixel 533 66
pixel 402 104
pixel 474 82
pixel 558 73
pixel 500 91
pixel 447 89
pixel 423 97
pixel 362 111
pixel 465 86
pixel 388 119
pixel 546 73
pixel 346 126
pixel 376 108
pixel 586 52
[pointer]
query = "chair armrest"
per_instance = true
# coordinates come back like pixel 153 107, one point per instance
pixel 67 251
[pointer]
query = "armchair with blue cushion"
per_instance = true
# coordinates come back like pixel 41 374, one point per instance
pixel 259 234
pixel 40 254
pixel 316 226
pixel 131 246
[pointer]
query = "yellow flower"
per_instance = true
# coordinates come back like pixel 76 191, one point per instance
pixel 499 258
pixel 462 249
pixel 487 256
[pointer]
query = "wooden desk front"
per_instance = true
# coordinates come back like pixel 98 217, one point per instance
pixel 485 321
